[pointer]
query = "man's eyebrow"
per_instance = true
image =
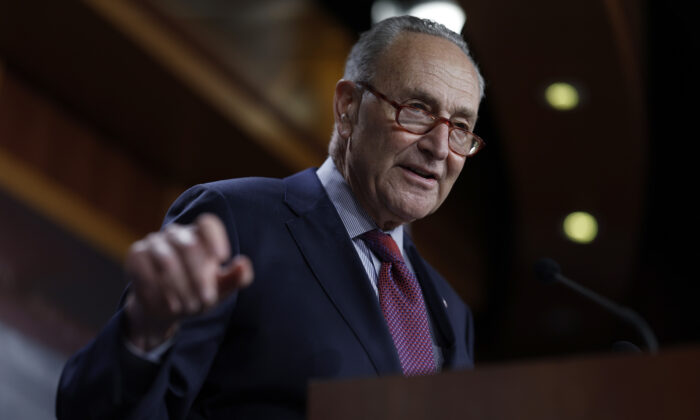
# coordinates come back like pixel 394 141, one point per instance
pixel 423 95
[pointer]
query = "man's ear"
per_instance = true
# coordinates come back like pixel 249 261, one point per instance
pixel 345 104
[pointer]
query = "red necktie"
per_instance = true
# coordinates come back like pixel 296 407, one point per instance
pixel 402 303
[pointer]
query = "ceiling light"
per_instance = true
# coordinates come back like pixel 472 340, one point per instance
pixel 446 12
pixel 580 227
pixel 562 96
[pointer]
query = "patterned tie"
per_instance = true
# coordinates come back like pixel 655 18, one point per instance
pixel 402 303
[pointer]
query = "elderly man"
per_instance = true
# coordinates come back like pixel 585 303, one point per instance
pixel 339 289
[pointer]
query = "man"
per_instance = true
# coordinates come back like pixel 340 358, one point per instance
pixel 339 291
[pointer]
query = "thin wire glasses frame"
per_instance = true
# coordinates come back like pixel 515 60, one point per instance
pixel 461 141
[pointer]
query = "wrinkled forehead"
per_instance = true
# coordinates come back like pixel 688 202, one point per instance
pixel 436 68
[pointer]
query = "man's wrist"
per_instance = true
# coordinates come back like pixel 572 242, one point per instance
pixel 143 332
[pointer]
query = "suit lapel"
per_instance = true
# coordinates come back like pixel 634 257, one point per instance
pixel 434 302
pixel 322 239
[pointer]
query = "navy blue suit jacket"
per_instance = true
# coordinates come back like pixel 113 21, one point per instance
pixel 310 313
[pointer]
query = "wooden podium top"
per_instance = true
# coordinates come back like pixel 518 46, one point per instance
pixel 615 386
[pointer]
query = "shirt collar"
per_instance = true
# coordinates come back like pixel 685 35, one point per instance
pixel 354 217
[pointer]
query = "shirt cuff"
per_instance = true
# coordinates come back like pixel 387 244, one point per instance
pixel 154 355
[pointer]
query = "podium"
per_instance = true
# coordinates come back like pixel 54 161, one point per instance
pixel 614 386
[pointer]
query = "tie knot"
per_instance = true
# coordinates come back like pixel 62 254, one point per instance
pixel 383 246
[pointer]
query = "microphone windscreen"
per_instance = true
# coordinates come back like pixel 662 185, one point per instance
pixel 547 269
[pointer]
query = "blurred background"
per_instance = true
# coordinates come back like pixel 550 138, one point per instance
pixel 110 109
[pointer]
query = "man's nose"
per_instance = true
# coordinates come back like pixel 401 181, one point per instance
pixel 436 141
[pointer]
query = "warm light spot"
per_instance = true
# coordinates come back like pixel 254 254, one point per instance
pixel 580 227
pixel 562 96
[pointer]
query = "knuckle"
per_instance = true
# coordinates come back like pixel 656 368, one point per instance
pixel 172 227
pixel 151 238
pixel 138 247
pixel 184 239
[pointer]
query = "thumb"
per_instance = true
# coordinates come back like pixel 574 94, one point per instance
pixel 237 275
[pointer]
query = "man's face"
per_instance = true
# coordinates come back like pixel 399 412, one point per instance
pixel 397 176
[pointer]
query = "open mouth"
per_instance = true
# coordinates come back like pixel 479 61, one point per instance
pixel 420 173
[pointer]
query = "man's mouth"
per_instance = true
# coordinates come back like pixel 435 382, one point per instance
pixel 420 172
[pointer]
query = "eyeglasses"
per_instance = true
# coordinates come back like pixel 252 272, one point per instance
pixel 418 121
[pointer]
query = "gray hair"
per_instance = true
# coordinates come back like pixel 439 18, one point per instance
pixel 361 62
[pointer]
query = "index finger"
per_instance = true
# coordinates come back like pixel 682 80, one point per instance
pixel 213 234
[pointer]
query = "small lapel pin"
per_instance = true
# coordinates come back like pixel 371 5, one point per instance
pixel 444 302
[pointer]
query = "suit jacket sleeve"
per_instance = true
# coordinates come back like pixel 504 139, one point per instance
pixel 105 381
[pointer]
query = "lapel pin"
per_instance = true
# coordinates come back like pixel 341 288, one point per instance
pixel 444 302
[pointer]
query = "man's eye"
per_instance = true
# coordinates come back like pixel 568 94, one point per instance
pixel 461 124
pixel 418 105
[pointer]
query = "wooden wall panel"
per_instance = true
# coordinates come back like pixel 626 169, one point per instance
pixel 47 140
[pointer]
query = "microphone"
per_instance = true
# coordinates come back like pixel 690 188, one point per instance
pixel 549 271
